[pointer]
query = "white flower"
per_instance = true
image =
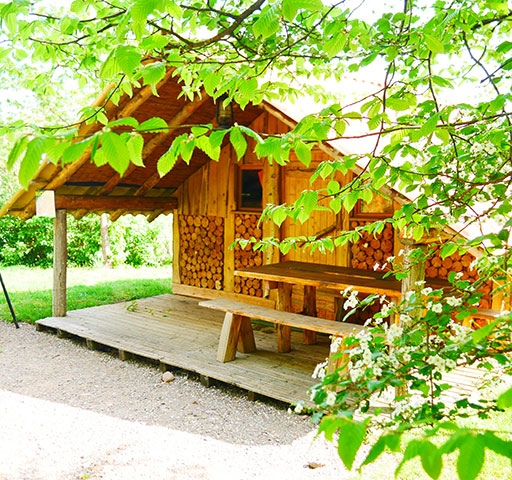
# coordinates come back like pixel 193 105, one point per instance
pixel 335 344
pixel 299 408
pixel 454 301
pixel 420 283
pixel 408 296
pixel 437 308
pixel 320 370
pixel 393 333
pixel 405 319
pixel 331 398
pixel 426 291
pixel 385 310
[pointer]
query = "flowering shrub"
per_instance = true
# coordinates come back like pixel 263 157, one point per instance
pixel 392 379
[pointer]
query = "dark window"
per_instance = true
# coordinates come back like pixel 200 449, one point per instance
pixel 251 193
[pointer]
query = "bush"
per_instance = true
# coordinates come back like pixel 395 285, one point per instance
pixel 134 241
pixel 27 243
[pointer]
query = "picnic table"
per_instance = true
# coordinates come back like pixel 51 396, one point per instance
pixel 314 276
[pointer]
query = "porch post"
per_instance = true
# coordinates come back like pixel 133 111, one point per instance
pixel 60 257
pixel 415 269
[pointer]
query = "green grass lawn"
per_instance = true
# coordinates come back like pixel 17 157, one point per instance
pixel 30 289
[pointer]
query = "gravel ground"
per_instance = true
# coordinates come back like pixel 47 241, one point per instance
pixel 70 413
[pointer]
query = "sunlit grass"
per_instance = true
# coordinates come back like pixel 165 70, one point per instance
pixel 31 294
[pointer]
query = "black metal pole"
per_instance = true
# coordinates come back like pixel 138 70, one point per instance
pixel 8 301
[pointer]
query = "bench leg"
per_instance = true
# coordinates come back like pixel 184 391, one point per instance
pixel 246 343
pixel 284 338
pixel 309 336
pixel 229 337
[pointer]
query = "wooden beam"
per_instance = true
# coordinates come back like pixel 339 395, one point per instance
pixel 77 202
pixel 66 172
pixel 60 257
pixel 150 147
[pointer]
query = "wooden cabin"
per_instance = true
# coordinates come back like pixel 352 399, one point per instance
pixel 216 202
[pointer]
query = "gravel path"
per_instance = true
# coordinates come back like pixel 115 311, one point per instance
pixel 70 413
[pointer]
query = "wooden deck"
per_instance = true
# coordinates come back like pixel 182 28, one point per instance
pixel 176 332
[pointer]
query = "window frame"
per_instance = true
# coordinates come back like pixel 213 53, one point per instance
pixel 239 207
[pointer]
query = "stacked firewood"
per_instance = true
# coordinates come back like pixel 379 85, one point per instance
pixel 201 251
pixel 372 251
pixel 246 226
pixel 437 267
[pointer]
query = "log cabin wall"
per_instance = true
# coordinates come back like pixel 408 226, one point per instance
pixel 296 179
pixel 209 197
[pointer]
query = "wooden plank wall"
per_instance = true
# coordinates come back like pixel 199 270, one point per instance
pixel 211 192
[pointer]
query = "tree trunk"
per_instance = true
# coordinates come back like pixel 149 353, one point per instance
pixel 106 251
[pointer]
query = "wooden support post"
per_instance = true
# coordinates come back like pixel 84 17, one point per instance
pixel 124 355
pixel 246 343
pixel 164 367
pixel 415 269
pixel 309 336
pixel 415 272
pixel 284 303
pixel 62 333
pixel 60 258
pixel 91 344
pixel 206 381
pixel 229 337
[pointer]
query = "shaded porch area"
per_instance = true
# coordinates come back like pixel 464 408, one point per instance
pixel 176 332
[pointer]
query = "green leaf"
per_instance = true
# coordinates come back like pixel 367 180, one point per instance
pixel 187 149
pixel 74 151
pixel 289 10
pixel 16 151
pixel 152 74
pixel 333 46
pixel 392 441
pixel 505 399
pixel 350 200
pixel 479 334
pixel 279 216
pixel 238 141
pixel 31 161
pixel 429 126
pixel 135 144
pixel 303 153
pixel 153 125
pixel 167 161
pixel 124 122
pixel 128 59
pixel 431 460
pixel 115 151
pixel 268 22
pixel 434 44
pixel 471 457
pixel 351 437
pixel 449 248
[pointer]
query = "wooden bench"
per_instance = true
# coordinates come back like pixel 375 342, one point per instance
pixel 237 329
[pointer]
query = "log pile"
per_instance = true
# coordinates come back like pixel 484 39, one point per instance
pixel 437 267
pixel 372 251
pixel 246 226
pixel 201 251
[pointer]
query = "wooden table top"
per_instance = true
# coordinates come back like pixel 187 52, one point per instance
pixel 331 277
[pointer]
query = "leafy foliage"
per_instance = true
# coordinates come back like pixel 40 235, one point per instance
pixel 436 125
pixel 134 242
